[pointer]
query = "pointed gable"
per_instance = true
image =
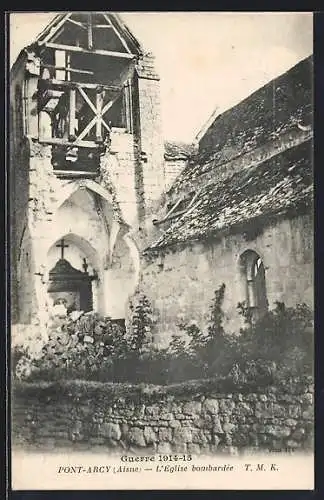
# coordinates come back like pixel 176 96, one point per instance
pixel 97 31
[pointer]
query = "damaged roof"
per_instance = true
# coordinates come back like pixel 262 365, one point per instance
pixel 111 18
pixel 279 107
pixel 280 186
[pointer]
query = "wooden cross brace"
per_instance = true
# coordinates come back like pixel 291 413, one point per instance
pixel 99 111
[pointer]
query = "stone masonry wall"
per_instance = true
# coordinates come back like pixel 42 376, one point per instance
pixel 189 276
pixel 46 219
pixel 150 125
pixel 196 418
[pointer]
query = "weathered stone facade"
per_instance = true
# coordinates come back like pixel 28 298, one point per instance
pixel 100 216
pixel 199 421
pixel 247 190
pixel 189 276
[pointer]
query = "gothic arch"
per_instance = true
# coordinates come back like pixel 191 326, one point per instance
pixel 81 260
pixel 79 242
pixel 67 191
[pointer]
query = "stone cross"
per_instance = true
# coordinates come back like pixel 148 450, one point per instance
pixel 62 246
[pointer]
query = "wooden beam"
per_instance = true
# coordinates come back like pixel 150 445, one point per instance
pixel 95 119
pixel 102 26
pixel 56 28
pixel 128 106
pixel 64 143
pixel 77 23
pixel 73 48
pixel 117 33
pixel 72 115
pixel 57 34
pixel 63 83
pixel 90 37
pixel 86 99
pixel 99 104
pixel 75 173
pixel 166 219
pixel 86 130
pixel 71 70
pixel 68 66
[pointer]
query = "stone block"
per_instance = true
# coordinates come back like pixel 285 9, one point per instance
pixel 307 398
pixel 228 427
pixel 277 431
pixel 199 436
pixel 166 416
pixel 192 408
pixel 149 435
pixel 226 405
pixel 110 431
pixel 153 411
pixel 182 435
pixel 294 411
pixel 308 414
pixel 165 434
pixel 211 406
pixel 242 409
pixel 174 424
pixel 135 437
pixel 298 434
pixel 217 427
pixel 291 422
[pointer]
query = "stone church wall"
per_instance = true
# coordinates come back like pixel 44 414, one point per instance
pixel 47 220
pixel 188 277
pixel 194 418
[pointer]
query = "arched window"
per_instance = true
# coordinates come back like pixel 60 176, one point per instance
pixel 253 274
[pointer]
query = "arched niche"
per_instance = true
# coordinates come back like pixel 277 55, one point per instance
pixel 72 274
pixel 253 279
pixel 83 212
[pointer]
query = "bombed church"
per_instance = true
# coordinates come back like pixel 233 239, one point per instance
pixel 102 208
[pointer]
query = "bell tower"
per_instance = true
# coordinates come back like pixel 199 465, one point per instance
pixel 85 121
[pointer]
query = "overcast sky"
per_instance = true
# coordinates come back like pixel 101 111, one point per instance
pixel 205 60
